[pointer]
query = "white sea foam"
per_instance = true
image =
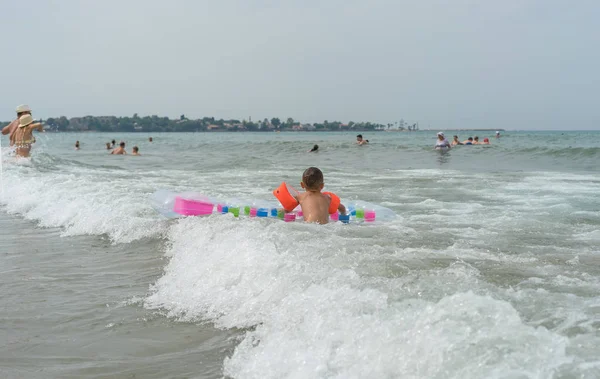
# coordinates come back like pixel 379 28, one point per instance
pixel 82 201
pixel 312 315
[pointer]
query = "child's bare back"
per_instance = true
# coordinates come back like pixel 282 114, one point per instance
pixel 315 206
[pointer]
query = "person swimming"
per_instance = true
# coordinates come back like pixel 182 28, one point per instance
pixel 486 141
pixel 442 142
pixel 469 141
pixel 315 148
pixel 108 146
pixel 119 150
pixel 360 141
pixel 475 140
pixel 455 141
pixel 76 145
pixel 136 151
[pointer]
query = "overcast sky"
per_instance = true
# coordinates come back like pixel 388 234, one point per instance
pixel 515 64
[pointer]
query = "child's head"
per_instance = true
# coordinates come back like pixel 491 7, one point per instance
pixel 113 142
pixel 135 149
pixel 359 137
pixel 312 179
pixel 122 144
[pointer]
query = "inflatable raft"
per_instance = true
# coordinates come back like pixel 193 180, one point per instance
pixel 175 205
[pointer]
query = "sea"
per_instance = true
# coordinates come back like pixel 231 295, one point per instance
pixel 491 268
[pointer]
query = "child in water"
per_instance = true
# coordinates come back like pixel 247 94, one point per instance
pixel 315 148
pixel 314 204
pixel 136 151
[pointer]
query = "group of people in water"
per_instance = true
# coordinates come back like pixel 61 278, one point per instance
pixel 359 141
pixel 21 129
pixel 442 142
pixel 117 150
pixel 21 137
pixel 120 150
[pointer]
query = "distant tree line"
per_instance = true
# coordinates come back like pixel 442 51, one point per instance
pixel 136 123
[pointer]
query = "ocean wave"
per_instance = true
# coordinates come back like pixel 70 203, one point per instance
pixel 307 312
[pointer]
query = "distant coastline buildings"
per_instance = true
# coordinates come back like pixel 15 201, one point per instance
pixel 210 124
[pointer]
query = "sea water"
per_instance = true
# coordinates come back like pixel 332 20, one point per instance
pixel 490 270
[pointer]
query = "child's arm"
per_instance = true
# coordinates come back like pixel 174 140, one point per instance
pixel 342 209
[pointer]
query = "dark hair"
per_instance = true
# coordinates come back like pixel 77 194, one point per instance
pixel 470 139
pixel 113 142
pixel 122 144
pixel 312 178
pixel 455 136
pixel 315 148
pixel 359 136
pixel 476 138
pixel 135 148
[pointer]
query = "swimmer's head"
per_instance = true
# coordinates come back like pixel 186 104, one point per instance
pixel 312 179
pixel 476 138
pixel 122 144
pixel 135 149
pixel 359 137
pixel 440 136
pixel 150 139
pixel 470 139
pixel 486 140
pixel 456 138
pixel 315 148
pixel 113 142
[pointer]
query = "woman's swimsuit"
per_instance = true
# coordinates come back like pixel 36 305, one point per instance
pixel 24 144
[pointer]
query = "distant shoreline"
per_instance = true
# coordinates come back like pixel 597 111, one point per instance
pixel 286 131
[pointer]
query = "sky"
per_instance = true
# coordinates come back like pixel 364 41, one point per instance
pixel 512 64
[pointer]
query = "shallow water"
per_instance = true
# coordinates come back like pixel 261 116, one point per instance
pixel 491 269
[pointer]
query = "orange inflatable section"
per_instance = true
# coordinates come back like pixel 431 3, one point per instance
pixel 335 202
pixel 286 196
